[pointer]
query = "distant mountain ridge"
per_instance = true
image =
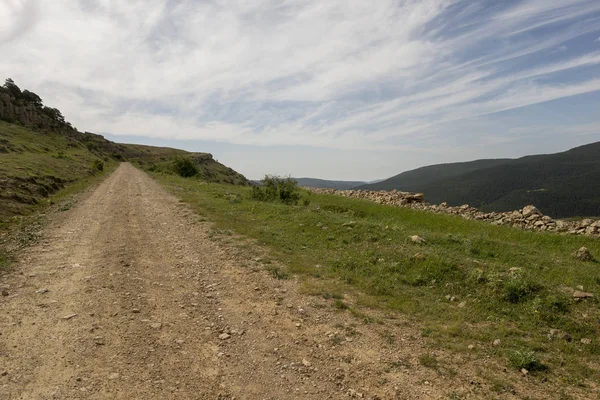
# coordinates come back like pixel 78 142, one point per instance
pixel 562 185
pixel 327 184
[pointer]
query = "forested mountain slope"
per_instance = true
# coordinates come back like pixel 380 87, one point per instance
pixel 561 185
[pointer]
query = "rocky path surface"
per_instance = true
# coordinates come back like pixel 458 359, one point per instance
pixel 126 297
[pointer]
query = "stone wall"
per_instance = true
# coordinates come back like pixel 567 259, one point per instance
pixel 529 217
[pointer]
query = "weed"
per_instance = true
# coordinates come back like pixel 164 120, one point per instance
pixel 277 272
pixel 340 305
pixel 518 290
pixel 524 359
pixel 337 339
pixel 389 337
pixel 428 361
pixel 5 260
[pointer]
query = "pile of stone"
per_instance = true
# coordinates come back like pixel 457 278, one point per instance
pixel 528 217
pixel 393 198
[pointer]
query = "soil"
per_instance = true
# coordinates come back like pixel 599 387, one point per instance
pixel 127 297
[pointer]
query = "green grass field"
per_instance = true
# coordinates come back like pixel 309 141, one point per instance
pixel 470 283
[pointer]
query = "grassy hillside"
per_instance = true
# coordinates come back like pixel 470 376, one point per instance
pixel 35 165
pixel 326 184
pixel 560 185
pixel 470 283
pixel 41 153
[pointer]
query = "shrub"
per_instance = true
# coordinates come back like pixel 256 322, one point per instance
pixel 275 188
pixel 98 165
pixel 185 167
pixel 518 290
pixel 525 360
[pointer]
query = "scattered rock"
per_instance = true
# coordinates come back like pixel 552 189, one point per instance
pixel 4 292
pixel 224 336
pixel 496 342
pixel 306 363
pixel 528 211
pixel 584 254
pixel 586 341
pixel 99 341
pixel 471 347
pixel 417 239
pixel 529 217
pixel 113 376
pixel 156 325
pixel 70 316
pixel 524 371
pixel 135 310
pixel 419 257
pixel 42 291
pixel 462 304
pixel 581 295
pixel 354 393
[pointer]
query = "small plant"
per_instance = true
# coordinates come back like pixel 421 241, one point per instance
pixel 275 188
pixel 277 272
pixel 340 305
pixel 4 260
pixel 428 360
pixel 522 359
pixel 184 167
pixel 518 290
pixel 98 165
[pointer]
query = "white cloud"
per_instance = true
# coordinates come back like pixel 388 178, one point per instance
pixel 337 73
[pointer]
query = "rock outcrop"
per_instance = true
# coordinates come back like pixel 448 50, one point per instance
pixel 528 217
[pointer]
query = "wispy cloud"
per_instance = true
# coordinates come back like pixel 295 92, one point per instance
pixel 341 73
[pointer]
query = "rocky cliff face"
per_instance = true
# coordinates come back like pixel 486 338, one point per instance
pixel 529 217
pixel 29 115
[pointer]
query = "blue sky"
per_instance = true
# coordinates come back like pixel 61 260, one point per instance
pixel 337 89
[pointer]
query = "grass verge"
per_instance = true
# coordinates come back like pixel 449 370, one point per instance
pixel 20 232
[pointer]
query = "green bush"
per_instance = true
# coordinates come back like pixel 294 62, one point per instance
pixel 526 360
pixel 185 167
pixel 98 165
pixel 518 290
pixel 275 188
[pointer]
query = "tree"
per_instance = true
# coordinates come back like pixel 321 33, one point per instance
pixel 31 98
pixel 12 88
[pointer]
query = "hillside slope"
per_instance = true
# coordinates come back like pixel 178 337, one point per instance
pixel 420 178
pixel 561 185
pixel 41 153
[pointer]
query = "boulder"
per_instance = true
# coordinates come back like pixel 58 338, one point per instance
pixel 530 210
pixel 583 254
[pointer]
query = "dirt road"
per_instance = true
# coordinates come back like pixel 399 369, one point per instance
pixel 126 297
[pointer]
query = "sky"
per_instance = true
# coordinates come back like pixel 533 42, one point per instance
pixel 335 89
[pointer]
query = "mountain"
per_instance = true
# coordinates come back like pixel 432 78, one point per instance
pixel 41 153
pixel 421 178
pixel 561 185
pixel 325 184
